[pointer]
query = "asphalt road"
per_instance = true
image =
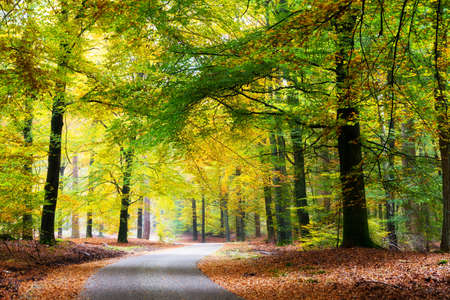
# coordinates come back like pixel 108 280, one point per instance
pixel 164 275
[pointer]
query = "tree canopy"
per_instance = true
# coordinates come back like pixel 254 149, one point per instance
pixel 321 122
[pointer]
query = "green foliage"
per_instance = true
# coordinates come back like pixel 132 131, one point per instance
pixel 442 262
pixel 320 236
pixel 195 88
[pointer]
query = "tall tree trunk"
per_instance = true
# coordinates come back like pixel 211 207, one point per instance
pixel 240 216
pixel 443 119
pixel 390 204
pixel 269 216
pixel 100 230
pixel 226 218
pixel 61 188
pixel 257 225
pixel 47 233
pixel 282 203
pixel 299 172
pixel 324 189
pixel 267 189
pixel 380 211
pixel 27 217
pixel 75 218
pixel 146 234
pixel 389 181
pixel 222 224
pixel 194 220
pixel 412 209
pixel 237 223
pixel 89 224
pixel 241 223
pixel 125 203
pixel 203 219
pixel 89 213
pixel 139 219
pixel 355 227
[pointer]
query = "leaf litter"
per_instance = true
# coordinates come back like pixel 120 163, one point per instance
pixel 29 270
pixel 259 271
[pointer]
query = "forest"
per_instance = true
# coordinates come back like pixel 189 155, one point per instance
pixel 286 125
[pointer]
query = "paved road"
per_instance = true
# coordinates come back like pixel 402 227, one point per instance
pixel 164 275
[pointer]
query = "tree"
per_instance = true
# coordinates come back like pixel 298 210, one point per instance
pixel 146 234
pixel 282 201
pixel 47 235
pixel 441 107
pixel 89 214
pixel 194 220
pixel 139 219
pixel 127 155
pixel 203 219
pixel 299 172
pixel 75 216
pixel 355 226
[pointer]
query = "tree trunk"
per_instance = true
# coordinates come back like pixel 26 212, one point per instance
pixel 27 217
pixel 257 225
pixel 238 229
pixel 52 180
pixel 299 173
pixel 139 219
pixel 100 230
pixel 61 188
pixel 324 190
pixel 241 225
pixel 146 234
pixel 125 203
pixel 269 216
pixel 355 227
pixel 222 224
pixel 194 220
pixel 412 209
pixel 389 183
pixel 89 214
pixel 203 219
pixel 47 233
pixel 75 218
pixel 443 120
pixel 240 217
pixel 267 200
pixel 282 212
pixel 226 218
pixel 390 211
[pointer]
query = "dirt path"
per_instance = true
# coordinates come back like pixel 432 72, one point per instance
pixel 168 274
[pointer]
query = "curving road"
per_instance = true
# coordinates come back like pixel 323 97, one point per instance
pixel 164 275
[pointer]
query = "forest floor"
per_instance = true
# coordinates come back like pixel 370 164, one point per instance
pixel 261 271
pixel 29 270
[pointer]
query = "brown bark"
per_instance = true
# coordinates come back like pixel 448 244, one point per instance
pixel 139 219
pixel 147 225
pixel 257 225
pixel 355 227
pixel 128 154
pixel 194 220
pixel 75 217
pixel 443 120
pixel 47 233
pixel 412 209
pixel 89 214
